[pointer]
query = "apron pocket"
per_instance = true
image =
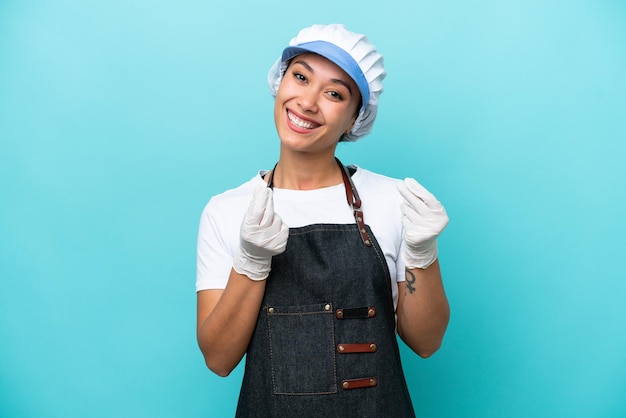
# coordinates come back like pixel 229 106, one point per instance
pixel 302 349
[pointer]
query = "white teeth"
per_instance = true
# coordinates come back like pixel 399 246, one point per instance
pixel 299 122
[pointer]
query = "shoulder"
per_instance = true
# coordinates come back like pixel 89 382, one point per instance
pixel 368 183
pixel 381 203
pixel 379 195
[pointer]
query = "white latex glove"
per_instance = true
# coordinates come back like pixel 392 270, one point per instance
pixel 423 218
pixel 262 235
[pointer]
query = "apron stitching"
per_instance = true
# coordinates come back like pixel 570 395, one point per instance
pixel 269 336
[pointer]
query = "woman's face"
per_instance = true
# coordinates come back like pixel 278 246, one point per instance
pixel 315 105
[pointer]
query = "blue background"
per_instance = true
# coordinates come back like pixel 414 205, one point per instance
pixel 119 120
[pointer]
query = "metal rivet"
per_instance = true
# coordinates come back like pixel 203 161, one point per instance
pixel 340 348
pixel 367 242
pixel 372 382
pixel 363 230
pixel 345 385
pixel 327 307
pixel 359 219
pixel 271 310
pixel 373 347
pixel 339 313
pixel 371 312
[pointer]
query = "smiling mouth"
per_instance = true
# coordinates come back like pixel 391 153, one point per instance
pixel 301 123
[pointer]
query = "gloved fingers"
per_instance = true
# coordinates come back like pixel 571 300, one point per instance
pixel 434 220
pixel 409 214
pixel 273 232
pixel 256 208
pixel 421 192
pixel 416 194
pixel 282 236
pixel 419 209
pixel 268 209
pixel 416 204
pixel 269 230
pixel 277 230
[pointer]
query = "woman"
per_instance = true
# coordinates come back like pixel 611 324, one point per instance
pixel 309 269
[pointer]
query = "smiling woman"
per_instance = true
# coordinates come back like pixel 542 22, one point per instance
pixel 316 104
pixel 303 268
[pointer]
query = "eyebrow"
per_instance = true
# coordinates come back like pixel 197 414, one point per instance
pixel 334 80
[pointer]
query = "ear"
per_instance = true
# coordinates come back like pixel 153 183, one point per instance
pixel 351 126
pixel 354 118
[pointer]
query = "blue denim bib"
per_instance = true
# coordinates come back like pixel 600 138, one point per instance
pixel 325 342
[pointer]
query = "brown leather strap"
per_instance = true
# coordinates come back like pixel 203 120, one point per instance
pixel 357 348
pixel 355 203
pixel 355 313
pixel 352 196
pixel 366 382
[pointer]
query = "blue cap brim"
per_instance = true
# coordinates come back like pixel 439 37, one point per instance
pixel 338 56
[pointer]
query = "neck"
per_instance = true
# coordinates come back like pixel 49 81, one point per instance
pixel 306 173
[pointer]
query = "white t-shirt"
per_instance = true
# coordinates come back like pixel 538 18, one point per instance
pixel 218 236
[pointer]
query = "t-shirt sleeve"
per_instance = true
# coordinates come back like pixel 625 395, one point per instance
pixel 214 257
pixel 400 277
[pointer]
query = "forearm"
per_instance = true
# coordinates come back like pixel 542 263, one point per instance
pixel 226 324
pixel 423 311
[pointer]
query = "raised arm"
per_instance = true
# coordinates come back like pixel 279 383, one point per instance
pixel 423 311
pixel 226 318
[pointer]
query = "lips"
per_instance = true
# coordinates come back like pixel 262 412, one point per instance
pixel 300 123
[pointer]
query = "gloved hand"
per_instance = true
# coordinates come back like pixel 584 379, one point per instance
pixel 262 235
pixel 423 218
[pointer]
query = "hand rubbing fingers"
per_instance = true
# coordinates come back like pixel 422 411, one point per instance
pixel 256 207
pixel 421 192
pixel 268 207
pixel 410 213
pixel 406 193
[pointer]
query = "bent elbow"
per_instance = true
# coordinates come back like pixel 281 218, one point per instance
pixel 218 369
pixel 426 353
pixel 221 373
pixel 426 350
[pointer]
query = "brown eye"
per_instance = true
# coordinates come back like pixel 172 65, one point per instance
pixel 335 95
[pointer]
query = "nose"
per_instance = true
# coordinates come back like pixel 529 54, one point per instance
pixel 308 100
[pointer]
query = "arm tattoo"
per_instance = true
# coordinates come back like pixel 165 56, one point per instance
pixel 410 279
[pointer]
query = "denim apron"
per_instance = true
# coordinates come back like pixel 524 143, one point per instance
pixel 325 342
